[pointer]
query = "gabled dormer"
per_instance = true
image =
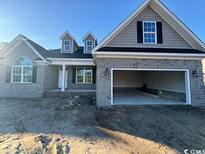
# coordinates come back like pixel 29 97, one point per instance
pixel 68 44
pixel 90 41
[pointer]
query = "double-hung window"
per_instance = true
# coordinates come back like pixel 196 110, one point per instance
pixel 149 32
pixel 83 75
pixel 89 45
pixel 67 46
pixel 22 70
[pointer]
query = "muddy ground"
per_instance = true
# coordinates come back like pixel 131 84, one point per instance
pixel 54 125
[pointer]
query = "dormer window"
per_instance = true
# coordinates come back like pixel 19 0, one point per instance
pixel 89 45
pixel 90 42
pixel 67 46
pixel 149 32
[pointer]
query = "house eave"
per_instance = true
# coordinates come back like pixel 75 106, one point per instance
pixel 131 55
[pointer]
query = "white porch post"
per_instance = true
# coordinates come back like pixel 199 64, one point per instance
pixel 63 78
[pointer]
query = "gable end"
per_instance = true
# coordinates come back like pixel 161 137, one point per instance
pixel 131 36
pixel 183 38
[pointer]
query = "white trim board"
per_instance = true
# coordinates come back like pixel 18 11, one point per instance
pixel 187 82
pixel 71 61
pixel 153 4
pixel 145 55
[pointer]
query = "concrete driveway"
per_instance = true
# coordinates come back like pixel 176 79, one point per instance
pixel 56 125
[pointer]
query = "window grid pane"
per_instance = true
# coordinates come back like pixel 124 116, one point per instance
pixel 66 45
pixel 88 79
pixel 84 75
pixel 17 70
pixel 149 32
pixel 89 45
pixel 27 70
pixel 17 78
pixel 80 74
pixel 22 73
pixel 67 42
pixel 80 79
pixel 88 75
pixel 149 38
pixel 27 78
pixel 23 61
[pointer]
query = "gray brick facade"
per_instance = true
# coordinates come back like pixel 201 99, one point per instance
pixel 103 88
pixel 8 89
pixel 73 86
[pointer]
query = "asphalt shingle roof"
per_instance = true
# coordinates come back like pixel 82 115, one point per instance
pixel 77 54
pixel 56 53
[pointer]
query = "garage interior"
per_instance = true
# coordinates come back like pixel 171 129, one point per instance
pixel 147 87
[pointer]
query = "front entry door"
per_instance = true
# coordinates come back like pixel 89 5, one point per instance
pixel 60 79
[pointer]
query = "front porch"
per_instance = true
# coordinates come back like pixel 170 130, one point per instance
pixel 71 79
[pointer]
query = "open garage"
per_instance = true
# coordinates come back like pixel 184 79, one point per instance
pixel 150 87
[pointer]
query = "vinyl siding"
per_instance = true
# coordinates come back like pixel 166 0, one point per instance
pixel 128 36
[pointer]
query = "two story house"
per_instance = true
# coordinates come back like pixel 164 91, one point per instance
pixel 150 58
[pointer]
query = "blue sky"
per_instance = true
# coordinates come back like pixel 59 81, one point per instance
pixel 44 21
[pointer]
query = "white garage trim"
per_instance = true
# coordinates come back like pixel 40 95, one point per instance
pixel 187 80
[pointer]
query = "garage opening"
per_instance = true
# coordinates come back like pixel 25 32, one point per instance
pixel 149 87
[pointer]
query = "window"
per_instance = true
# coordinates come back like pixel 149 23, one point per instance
pixel 149 32
pixel 22 70
pixel 83 75
pixel 67 46
pixel 89 45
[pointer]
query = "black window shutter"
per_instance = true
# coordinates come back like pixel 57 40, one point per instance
pixel 34 74
pixel 8 74
pixel 159 33
pixel 94 74
pixel 139 32
pixel 74 75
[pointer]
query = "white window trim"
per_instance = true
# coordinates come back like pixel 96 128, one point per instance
pixel 84 76
pixel 22 75
pixel 70 48
pixel 86 46
pixel 150 32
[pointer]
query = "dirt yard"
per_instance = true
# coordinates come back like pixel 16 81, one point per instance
pixel 57 125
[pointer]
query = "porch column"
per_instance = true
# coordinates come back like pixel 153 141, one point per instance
pixel 63 78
